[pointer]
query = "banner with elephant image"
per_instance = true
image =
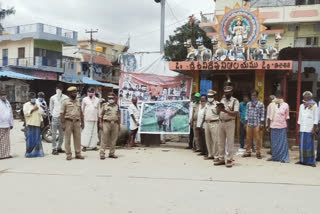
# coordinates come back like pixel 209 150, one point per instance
pixel 165 117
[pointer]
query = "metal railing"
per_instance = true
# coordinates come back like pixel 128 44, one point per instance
pixel 39 27
pixel 31 62
pixel 207 17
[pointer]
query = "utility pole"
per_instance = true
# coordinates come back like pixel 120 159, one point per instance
pixel 162 23
pixel 91 51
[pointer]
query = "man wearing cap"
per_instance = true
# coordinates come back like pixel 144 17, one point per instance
pixel 193 122
pixel 228 110
pixel 110 124
pixel 71 116
pixel 211 117
pixel 6 124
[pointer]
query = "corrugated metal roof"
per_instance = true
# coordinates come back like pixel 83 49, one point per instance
pixel 15 75
pixel 97 60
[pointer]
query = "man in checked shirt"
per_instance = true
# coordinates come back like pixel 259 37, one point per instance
pixel 254 123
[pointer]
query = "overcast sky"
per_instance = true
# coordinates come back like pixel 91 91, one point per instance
pixel 115 19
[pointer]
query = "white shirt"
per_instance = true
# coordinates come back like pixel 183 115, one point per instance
pixel 6 116
pixel 200 116
pixel 55 104
pixel 319 111
pixel 307 118
pixel 43 107
pixel 91 108
pixel 135 110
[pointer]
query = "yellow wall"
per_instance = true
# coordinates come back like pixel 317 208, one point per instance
pixel 109 47
pixel 13 46
pixel 288 37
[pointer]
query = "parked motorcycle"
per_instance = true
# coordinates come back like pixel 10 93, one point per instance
pixel 46 131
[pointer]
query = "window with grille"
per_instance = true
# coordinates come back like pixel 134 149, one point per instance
pixel 21 53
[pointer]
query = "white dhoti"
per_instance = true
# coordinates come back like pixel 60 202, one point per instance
pixel 89 135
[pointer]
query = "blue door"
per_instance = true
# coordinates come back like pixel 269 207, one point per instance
pixel 4 57
pixel 205 85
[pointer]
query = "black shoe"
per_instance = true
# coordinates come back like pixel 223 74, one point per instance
pixel 318 159
pixel 61 151
pixel 55 152
pixel 188 147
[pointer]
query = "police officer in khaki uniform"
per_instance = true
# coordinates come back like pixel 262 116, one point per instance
pixel 71 116
pixel 228 109
pixel 211 117
pixel 193 122
pixel 110 126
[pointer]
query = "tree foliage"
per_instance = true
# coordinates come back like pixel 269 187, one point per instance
pixel 174 47
pixel 4 13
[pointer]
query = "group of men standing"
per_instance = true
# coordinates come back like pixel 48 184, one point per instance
pixel 69 118
pixel 82 122
pixel 213 125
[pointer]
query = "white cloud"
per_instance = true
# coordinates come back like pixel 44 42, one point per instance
pixel 115 19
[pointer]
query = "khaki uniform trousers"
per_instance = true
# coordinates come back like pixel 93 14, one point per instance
pixel 196 142
pixel 74 128
pixel 212 139
pixel 226 133
pixel 110 136
pixel 253 133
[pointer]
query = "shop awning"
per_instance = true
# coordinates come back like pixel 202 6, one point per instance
pixel 89 81
pixel 307 54
pixel 15 75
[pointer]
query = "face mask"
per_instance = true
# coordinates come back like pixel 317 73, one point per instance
pixel 73 97
pixel 90 94
pixel 33 100
pixel 40 100
pixel 254 99
pixel 210 100
pixel 3 97
pixel 58 92
pixel 110 101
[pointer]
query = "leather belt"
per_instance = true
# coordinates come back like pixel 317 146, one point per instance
pixel 212 121
pixel 73 120
pixel 110 121
pixel 225 121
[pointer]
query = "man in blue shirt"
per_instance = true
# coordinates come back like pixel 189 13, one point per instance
pixel 242 113
pixel 254 123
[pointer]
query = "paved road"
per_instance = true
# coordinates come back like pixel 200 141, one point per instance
pixel 166 180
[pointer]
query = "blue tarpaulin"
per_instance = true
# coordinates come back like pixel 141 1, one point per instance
pixel 89 81
pixel 15 75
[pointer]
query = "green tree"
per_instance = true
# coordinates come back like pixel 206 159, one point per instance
pixel 4 13
pixel 174 47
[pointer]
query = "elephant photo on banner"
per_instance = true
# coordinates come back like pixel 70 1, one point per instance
pixel 165 117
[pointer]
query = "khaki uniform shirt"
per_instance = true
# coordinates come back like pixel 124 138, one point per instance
pixel 71 109
pixel 110 112
pixel 211 111
pixel 195 111
pixel 231 105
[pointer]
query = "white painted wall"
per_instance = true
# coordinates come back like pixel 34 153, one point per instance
pixel 13 46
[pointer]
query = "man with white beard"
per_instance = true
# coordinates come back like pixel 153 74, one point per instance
pixel 55 108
